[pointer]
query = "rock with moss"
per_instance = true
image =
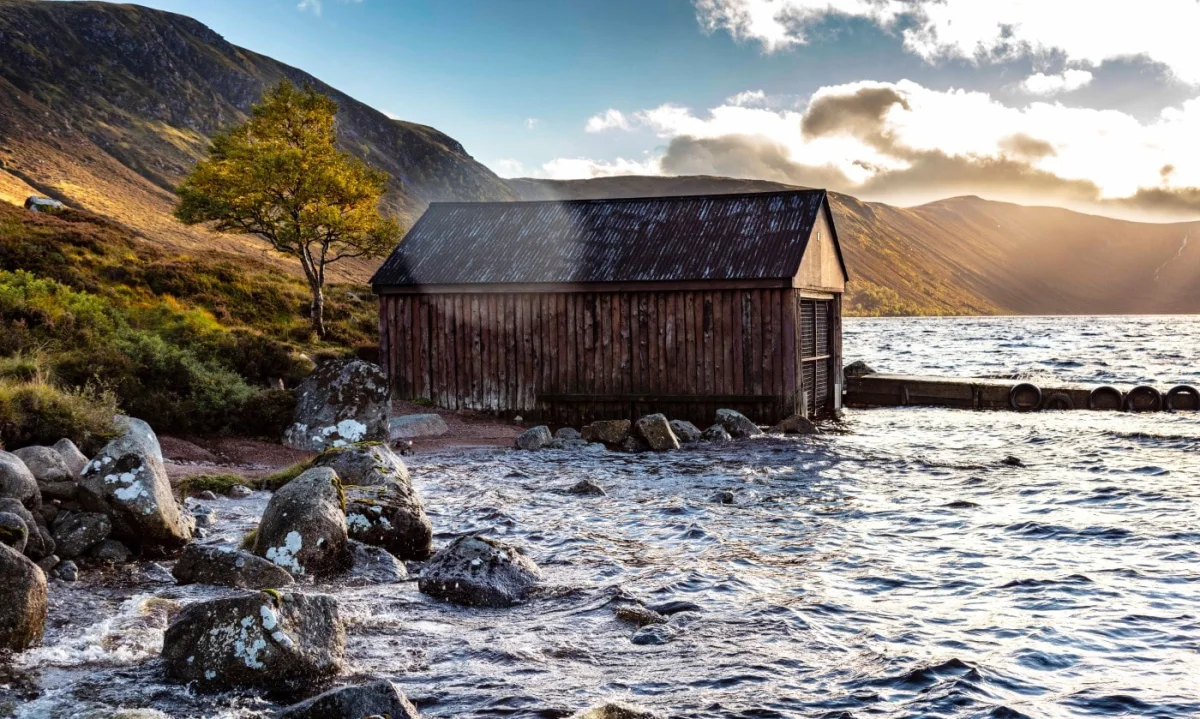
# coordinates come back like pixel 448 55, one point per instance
pixel 128 482
pixel 17 482
pixel 342 402
pixel 303 528
pixel 227 567
pixel 391 516
pixel 365 463
pixel 13 531
pixel 276 639
pixel 22 601
pixel 377 699
pixel 479 571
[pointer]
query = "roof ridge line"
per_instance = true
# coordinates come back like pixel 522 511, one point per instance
pixel 589 200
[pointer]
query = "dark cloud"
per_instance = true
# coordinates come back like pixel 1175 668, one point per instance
pixel 1166 171
pixel 1181 203
pixel 860 114
pixel 746 156
pixel 1031 148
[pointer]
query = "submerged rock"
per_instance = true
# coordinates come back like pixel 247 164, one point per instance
pixel 616 711
pixel 365 463
pixel 534 438
pixel 128 482
pixel 655 430
pixel 479 571
pixel 716 433
pixel 303 528
pixel 76 533
pixel 225 567
pixel 652 635
pixel 567 434
pixel 685 431
pixel 374 565
pixel 413 426
pixel 611 432
pixel 639 615
pixel 240 491
pixel 377 699
pixel 17 482
pixel 391 516
pixel 259 639
pixel 22 601
pixel 737 424
pixel 586 488
pixel 795 425
pixel 342 402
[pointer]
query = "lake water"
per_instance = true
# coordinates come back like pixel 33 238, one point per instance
pixel 900 569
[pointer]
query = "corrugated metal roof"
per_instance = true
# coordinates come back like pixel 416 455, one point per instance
pixel 708 237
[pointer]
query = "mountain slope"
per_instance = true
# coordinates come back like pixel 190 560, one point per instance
pixel 971 256
pixel 107 107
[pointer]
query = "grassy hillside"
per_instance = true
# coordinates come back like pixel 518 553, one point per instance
pixel 972 256
pixel 187 342
pixel 107 107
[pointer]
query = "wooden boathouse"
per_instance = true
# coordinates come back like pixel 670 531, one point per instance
pixel 571 311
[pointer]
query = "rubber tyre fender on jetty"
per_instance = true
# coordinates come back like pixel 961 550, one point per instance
pixel 1183 398
pixel 1144 399
pixel 1058 400
pixel 1106 398
pixel 1031 393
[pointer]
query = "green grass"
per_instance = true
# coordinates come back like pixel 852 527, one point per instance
pixel 35 411
pixel 215 483
pixel 282 477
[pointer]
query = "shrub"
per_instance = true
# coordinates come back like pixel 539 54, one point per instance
pixel 267 414
pixel 37 412
pixel 279 479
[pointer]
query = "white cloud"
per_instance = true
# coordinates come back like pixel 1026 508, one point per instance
pixel 1047 85
pixel 574 168
pixel 314 6
pixel 1084 31
pixel 532 123
pixel 509 168
pixel 608 120
pixel 747 98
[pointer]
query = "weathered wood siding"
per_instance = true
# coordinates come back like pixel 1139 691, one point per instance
pixel 572 357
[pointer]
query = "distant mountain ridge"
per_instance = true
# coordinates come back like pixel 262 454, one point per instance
pixel 967 255
pixel 108 106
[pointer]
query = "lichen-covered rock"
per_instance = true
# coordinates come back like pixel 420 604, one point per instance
pixel 795 425
pixel 260 639
pixel 391 516
pixel 377 699
pixel 616 711
pixel 78 532
pixel 610 431
pixel 17 482
pixel 655 430
pixel 412 426
pixel 737 424
pixel 479 571
pixel 374 565
pixel 342 402
pixel 74 459
pixel 128 482
pixel 14 532
pixel 685 431
pixel 22 601
pixel 365 463
pixel 303 528
pixel 225 567
pixel 716 433
pixel 534 438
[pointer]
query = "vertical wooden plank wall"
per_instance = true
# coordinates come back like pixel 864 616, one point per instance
pixel 500 352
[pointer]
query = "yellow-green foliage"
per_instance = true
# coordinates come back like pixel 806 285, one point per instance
pixel 215 483
pixel 38 412
pixel 279 479
pixel 249 539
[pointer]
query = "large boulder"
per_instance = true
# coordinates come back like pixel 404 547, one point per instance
pixel 377 699
pixel 128 482
pixel 413 426
pixel 54 476
pixel 74 459
pixel 17 482
pixel 78 532
pixel 391 516
pixel 343 402
pixel 261 639
pixel 303 528
pixel 374 565
pixel 479 571
pixel 737 424
pixel 685 431
pixel 534 438
pixel 655 430
pixel 610 431
pixel 22 601
pixel 365 463
pixel 14 532
pixel 38 544
pixel 226 567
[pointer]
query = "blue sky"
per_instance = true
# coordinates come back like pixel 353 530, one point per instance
pixel 1013 100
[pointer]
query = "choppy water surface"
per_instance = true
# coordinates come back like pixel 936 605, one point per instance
pixel 899 570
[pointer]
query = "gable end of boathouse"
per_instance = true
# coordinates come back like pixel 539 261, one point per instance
pixel 572 311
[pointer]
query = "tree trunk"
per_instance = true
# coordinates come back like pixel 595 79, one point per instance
pixel 318 311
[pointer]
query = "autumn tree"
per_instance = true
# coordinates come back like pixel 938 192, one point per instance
pixel 280 177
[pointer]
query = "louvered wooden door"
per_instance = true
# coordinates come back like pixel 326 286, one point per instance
pixel 816 354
